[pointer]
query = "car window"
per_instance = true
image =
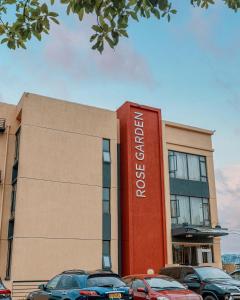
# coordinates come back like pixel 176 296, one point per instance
pixel 172 272
pixel 212 273
pixel 128 281
pixel 236 275
pixel 67 282
pixel 187 271
pixel 164 283
pixel 52 284
pixel 105 281
pixel 138 283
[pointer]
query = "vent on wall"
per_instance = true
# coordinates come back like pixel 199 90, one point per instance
pixel 2 125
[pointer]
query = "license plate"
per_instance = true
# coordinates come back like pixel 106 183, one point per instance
pixel 115 296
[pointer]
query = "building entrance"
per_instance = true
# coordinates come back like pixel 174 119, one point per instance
pixel 192 255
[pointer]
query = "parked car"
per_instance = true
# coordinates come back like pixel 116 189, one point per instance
pixel 212 283
pixel 158 287
pixel 236 274
pixel 5 294
pixel 81 285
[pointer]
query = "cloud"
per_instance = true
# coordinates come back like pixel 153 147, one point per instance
pixel 70 51
pixel 206 27
pixel 228 191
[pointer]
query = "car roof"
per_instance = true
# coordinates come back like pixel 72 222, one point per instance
pixel 143 276
pixel 93 272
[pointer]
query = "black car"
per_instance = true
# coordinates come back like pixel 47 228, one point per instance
pixel 236 274
pixel 83 285
pixel 212 283
pixel 5 294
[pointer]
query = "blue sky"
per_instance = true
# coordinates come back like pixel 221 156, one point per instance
pixel 189 68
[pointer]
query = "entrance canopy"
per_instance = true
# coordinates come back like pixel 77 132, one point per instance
pixel 194 231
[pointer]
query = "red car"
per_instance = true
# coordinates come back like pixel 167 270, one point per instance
pixel 158 287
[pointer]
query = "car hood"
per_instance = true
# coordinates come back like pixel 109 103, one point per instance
pixel 178 295
pixel 224 282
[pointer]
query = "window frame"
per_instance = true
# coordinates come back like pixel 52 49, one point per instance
pixel 204 202
pixel 202 160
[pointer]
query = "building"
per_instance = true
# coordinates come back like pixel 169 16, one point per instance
pixel 84 187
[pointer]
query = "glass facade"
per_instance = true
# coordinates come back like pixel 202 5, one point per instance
pixel 187 166
pixel 190 210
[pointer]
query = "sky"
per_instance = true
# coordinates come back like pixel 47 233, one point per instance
pixel 190 68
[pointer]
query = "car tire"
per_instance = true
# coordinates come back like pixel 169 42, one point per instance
pixel 209 298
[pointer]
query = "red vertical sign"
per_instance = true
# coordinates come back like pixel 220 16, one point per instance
pixel 142 189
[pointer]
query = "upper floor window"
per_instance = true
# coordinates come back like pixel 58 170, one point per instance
pixel 106 151
pixel 187 166
pixel 17 143
pixel 190 210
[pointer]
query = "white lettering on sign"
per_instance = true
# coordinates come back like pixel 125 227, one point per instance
pixel 139 154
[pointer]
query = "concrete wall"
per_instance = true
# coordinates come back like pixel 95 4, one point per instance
pixel 58 220
pixel 7 149
pixel 195 141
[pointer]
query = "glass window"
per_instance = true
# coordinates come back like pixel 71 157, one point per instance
pixel 193 167
pixel 67 282
pixel 184 209
pixel 212 273
pixel 181 170
pixel 196 211
pixel 112 281
pixel 187 166
pixel 164 283
pixel 106 200
pixel 106 247
pixel 106 145
pixel 190 210
pixel 17 144
pixel 137 283
pixel 52 284
pixel 106 157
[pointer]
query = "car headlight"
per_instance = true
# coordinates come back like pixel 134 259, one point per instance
pixel 162 298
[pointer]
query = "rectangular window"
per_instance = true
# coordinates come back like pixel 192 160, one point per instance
pixel 106 255
pixel 106 190
pixel 106 151
pixel 9 259
pixel 190 210
pixel 187 166
pixel 106 200
pixel 13 198
pixel 17 144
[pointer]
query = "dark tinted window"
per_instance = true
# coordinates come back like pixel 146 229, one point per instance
pixel 137 283
pixel 67 282
pixel 172 272
pixel 187 271
pixel 108 281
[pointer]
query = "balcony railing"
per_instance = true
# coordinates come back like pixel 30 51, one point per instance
pixel 2 125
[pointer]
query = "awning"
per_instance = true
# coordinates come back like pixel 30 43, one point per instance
pixel 194 231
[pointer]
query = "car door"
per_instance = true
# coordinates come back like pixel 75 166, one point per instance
pixel 191 279
pixel 46 292
pixel 66 285
pixel 138 294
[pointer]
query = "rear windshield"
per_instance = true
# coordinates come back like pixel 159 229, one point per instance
pixel 165 283
pixel 1 285
pixel 105 281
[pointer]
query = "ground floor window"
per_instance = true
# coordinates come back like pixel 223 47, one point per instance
pixel 192 254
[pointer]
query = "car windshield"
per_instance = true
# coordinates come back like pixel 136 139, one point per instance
pixel 165 283
pixel 105 281
pixel 212 273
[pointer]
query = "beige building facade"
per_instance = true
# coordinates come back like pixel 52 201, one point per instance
pixel 59 192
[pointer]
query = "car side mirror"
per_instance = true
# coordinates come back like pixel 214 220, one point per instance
pixel 191 278
pixel 141 290
pixel 42 287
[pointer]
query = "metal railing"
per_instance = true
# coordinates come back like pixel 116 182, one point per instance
pixel 21 289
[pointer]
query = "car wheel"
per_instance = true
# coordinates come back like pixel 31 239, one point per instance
pixel 209 298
